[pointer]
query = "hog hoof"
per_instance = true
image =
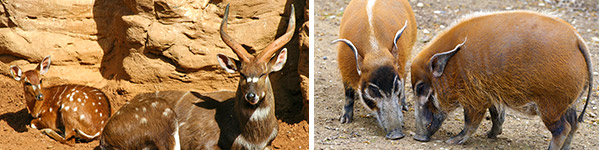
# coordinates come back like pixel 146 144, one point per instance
pixel 345 119
pixel 457 140
pixel 394 135
pixel 493 135
pixel 422 138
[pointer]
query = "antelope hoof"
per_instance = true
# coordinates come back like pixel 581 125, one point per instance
pixel 457 140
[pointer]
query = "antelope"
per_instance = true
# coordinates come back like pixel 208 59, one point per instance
pixel 524 60
pixel 244 119
pixel 372 59
pixel 75 111
pixel 149 123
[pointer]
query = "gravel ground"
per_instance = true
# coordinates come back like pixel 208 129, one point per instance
pixel 519 131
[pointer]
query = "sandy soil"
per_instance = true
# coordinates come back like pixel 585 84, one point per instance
pixel 519 131
pixel 16 133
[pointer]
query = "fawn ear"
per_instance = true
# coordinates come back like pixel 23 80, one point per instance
pixel 45 65
pixel 229 64
pixel 278 63
pixel 15 72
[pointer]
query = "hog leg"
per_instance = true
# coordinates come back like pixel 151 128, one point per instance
pixel 349 105
pixel 571 117
pixel 497 121
pixel 560 130
pixel 472 119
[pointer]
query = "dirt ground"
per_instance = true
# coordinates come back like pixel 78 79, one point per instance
pixel 16 133
pixel 519 131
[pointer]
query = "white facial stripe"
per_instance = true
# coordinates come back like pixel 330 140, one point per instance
pixel 252 79
pixel 260 113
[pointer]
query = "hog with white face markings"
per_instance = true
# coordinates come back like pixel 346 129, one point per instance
pixel 527 61
pixel 80 110
pixel 376 38
pixel 244 119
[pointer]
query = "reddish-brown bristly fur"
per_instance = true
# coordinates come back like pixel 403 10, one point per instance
pixel 387 18
pixel 80 110
pixel 519 59
pixel 143 123
pixel 375 41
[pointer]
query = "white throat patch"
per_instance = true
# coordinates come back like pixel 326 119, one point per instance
pixel 260 113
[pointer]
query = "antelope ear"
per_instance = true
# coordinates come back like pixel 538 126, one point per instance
pixel 45 65
pixel 438 62
pixel 278 63
pixel 229 64
pixel 15 72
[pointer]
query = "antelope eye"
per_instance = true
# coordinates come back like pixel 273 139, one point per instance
pixel 261 75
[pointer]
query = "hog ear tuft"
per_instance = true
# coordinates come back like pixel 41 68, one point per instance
pixel 438 62
pixel 354 50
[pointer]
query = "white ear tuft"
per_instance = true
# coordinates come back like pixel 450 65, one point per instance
pixel 280 62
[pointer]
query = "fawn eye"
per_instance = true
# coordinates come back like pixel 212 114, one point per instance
pixel 27 83
pixel 40 81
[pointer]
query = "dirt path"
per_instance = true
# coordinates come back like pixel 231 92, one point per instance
pixel 519 131
pixel 16 133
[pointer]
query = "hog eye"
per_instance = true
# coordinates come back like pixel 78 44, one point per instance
pixel 421 89
pixel 374 91
pixel 370 103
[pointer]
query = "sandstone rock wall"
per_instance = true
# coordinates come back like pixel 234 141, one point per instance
pixel 144 45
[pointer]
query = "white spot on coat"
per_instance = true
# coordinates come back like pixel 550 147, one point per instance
pixel 136 116
pixel 166 112
pixel 102 122
pixel 143 109
pixel 66 108
pixel 154 104
pixel 78 99
pixel 50 109
pixel 100 114
pixel 143 120
pixel 93 104
pixel 75 109
pixel 81 117
pixel 96 110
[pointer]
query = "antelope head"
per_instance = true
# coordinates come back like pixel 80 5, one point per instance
pixel 254 84
pixel 32 83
